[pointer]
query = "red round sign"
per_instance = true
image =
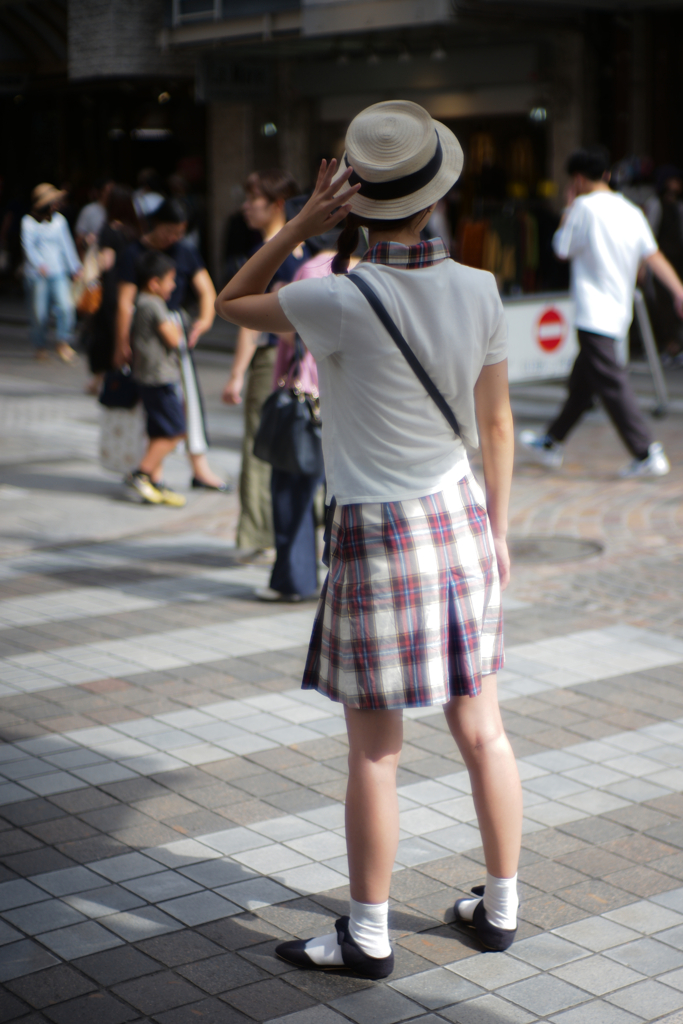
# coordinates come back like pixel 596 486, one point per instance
pixel 551 330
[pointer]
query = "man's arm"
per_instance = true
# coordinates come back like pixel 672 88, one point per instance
pixel 124 318
pixel 206 294
pixel 494 419
pixel 244 353
pixel 661 268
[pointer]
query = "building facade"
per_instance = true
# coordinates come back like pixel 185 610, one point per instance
pixel 218 87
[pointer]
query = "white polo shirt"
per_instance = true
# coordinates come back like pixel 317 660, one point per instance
pixel 607 238
pixel 384 439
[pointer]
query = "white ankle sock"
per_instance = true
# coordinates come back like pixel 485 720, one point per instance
pixel 368 927
pixel 501 902
pixel 325 950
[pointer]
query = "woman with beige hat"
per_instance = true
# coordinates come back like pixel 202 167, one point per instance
pixel 411 353
pixel 50 262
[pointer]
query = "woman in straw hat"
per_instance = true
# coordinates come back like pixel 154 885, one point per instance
pixel 409 615
pixel 50 261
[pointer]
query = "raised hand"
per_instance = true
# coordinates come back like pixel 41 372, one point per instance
pixel 322 211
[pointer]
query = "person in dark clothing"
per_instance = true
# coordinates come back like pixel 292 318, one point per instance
pixel 166 234
pixel 121 228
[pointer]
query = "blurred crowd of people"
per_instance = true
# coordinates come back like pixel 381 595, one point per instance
pixel 128 266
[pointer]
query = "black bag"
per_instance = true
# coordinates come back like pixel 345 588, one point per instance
pixel 119 390
pixel 289 436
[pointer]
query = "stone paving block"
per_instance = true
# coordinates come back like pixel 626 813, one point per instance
pixel 79 939
pixel 54 985
pixel 128 865
pixel 543 994
pixel 243 931
pixel 647 956
pixel 25 957
pixel 35 862
pixel 100 1006
pixel 596 933
pixel 18 893
pixel 152 994
pixel 209 1011
pixel 315 1015
pixel 264 956
pixel 116 965
pixel 181 947
pixel 598 975
pixel 200 908
pixel 11 1008
pixel 42 917
pixel 220 973
pixel 648 999
pixel 63 883
pixel 597 1012
pixel 546 951
pixel 163 885
pixel 673 899
pixel 488 1009
pixel 436 988
pixel 673 978
pixel 8 934
pixel 141 923
pixel 258 1000
pixel 492 970
pixel 376 1005
pixel 109 899
pixel 596 897
pixel 645 917
pixel 256 892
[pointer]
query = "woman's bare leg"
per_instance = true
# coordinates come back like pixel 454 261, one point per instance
pixel 375 740
pixel 477 728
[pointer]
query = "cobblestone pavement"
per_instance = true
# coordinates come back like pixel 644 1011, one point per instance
pixel 172 801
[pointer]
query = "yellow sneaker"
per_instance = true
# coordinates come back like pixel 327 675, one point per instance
pixel 150 494
pixel 170 497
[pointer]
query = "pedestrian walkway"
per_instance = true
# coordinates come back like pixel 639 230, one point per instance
pixel 173 802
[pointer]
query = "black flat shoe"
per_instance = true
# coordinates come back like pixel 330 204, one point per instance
pixel 354 958
pixel 202 485
pixel 491 938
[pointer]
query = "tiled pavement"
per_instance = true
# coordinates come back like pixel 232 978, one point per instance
pixel 174 811
pixel 172 800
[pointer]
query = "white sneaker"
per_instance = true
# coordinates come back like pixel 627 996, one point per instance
pixel 549 453
pixel 656 464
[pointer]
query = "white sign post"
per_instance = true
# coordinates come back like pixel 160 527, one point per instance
pixel 542 341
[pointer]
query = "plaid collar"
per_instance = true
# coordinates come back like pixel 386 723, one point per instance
pixel 410 257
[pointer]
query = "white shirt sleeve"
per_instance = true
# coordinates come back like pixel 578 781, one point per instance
pixel 314 308
pixel 570 238
pixel 498 341
pixel 29 241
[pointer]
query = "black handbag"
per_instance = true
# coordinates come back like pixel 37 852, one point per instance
pixel 289 436
pixel 119 390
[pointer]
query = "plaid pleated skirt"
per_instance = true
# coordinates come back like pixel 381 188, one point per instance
pixel 410 613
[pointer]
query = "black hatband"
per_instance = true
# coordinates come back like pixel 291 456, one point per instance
pixel 399 187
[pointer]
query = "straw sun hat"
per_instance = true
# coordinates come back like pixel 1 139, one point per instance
pixel 404 160
pixel 45 195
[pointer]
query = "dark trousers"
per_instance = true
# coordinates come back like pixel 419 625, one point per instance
pixel 296 564
pixel 597 372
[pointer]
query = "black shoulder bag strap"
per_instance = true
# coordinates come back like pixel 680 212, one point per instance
pixel 406 351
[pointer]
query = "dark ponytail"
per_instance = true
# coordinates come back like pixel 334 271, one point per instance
pixel 347 243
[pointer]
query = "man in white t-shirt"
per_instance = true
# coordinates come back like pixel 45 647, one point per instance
pixel 607 239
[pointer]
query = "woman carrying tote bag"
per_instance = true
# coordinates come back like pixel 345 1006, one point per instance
pixel 410 348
